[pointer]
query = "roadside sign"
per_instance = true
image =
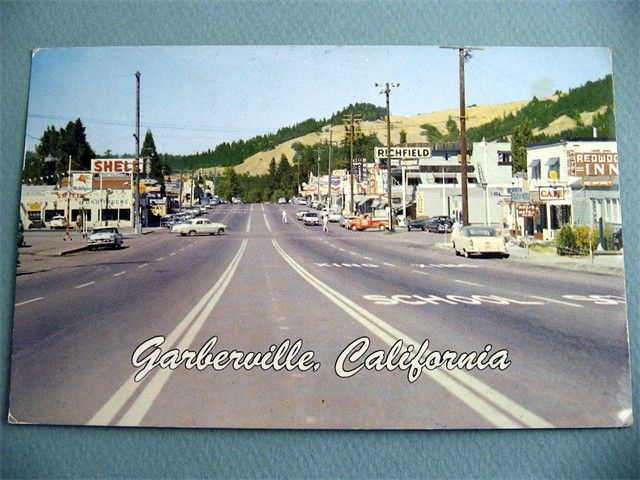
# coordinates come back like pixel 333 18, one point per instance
pixel 521 197
pixel 402 152
pixel 513 189
pixel 528 210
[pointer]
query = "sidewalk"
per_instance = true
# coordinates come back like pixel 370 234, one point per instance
pixel 602 264
pixel 54 243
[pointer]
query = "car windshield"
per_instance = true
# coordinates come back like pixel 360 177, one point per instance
pixel 481 232
pixel 104 230
pixel 311 214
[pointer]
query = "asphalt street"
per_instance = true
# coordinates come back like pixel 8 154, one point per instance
pixel 79 320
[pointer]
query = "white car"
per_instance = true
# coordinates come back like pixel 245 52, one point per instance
pixel 311 218
pixel 480 240
pixel 199 226
pixel 334 216
pixel 104 237
pixel 59 221
pixel 282 201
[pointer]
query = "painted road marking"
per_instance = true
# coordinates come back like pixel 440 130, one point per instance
pixel 159 259
pixel 347 265
pixel 119 273
pixel 443 265
pixel 264 215
pixel 143 265
pixel 492 405
pixel 556 301
pixel 598 299
pixel 28 301
pixel 424 299
pixel 84 285
pixel 468 283
pixel 625 416
pixel 249 223
pixel 172 254
pixel 367 258
pixel 388 264
pixel 193 322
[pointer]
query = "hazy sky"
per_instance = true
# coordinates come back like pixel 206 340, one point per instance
pixel 193 98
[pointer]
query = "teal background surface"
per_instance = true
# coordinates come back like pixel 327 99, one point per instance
pixel 33 451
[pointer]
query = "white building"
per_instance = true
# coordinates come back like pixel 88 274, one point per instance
pixel 572 182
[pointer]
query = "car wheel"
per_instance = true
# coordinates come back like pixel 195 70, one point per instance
pixel 456 250
pixel 192 233
pixel 466 254
pixel 408 228
pixel 423 229
pixel 505 255
pixel 182 234
pixel 382 228
pixel 220 231
pixel 354 228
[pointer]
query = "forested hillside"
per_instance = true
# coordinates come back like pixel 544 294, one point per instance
pixel 234 153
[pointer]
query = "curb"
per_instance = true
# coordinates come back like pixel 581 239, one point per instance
pixel 73 250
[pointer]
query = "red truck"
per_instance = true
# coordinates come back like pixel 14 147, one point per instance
pixel 367 221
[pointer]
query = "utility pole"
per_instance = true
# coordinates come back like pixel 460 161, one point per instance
pixel 136 171
pixel 387 89
pixel 463 54
pixel 351 129
pixel 329 173
pixel 318 177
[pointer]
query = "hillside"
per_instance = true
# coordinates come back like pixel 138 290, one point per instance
pixel 258 164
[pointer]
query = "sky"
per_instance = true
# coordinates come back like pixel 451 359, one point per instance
pixel 194 98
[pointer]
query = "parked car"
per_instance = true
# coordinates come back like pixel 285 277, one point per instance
pixel 344 220
pixel 37 224
pixel 333 216
pixel 440 224
pixel 366 221
pixel 415 224
pixel 58 221
pixel 302 201
pixel 282 201
pixel 479 240
pixel 311 218
pixel 300 214
pixel 104 237
pixel 199 226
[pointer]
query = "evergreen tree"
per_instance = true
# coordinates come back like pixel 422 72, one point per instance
pixel 453 132
pixel 520 137
pixel 149 151
pixel 229 183
pixel 273 180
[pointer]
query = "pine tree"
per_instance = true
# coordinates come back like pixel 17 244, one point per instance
pixel 149 151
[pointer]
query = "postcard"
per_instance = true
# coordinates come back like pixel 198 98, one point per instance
pixel 321 237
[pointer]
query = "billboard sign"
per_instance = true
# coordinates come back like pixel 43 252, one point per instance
pixel 113 165
pixel 402 152
pixel 81 182
pixel 593 164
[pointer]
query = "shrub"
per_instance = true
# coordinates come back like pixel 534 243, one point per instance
pixel 586 238
pixel 566 237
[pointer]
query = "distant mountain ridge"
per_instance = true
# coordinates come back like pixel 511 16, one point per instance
pixel 571 114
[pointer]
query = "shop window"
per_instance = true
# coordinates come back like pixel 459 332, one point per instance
pixel 535 170
pixel 125 214
pixel 109 214
pixel 504 158
pixel 34 215
pixel 554 168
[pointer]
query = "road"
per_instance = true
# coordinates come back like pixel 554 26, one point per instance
pixel 79 319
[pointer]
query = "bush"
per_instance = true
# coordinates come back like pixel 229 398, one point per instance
pixel 566 237
pixel 586 238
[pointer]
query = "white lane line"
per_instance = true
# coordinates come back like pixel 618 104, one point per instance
pixel 84 285
pixel 388 264
pixel 342 249
pixel 159 259
pixel 469 283
pixel 262 205
pixel 368 258
pixel 556 301
pixel 28 301
pixel 249 222
pixel 266 222
pixel 172 254
pixel 119 273
pixel 353 253
pixel 492 405
pixel 143 265
pixel 332 246
pixel 182 249
pixel 193 321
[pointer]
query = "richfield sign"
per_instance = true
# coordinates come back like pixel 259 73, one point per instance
pixel 402 152
pixel 593 164
pixel 113 165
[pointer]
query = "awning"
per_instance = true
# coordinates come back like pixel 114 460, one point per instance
pixel 552 162
pixel 534 163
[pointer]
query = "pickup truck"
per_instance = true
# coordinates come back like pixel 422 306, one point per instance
pixel 367 221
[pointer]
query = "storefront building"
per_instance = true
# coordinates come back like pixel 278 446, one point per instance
pixel 574 182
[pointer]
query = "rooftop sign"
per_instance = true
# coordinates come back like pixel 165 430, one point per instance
pixel 402 152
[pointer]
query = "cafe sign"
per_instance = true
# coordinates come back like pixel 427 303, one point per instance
pixel 551 193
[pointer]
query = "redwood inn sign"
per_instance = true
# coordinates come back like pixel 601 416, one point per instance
pixel 593 164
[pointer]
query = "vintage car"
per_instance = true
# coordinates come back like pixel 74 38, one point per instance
pixel 366 221
pixel 479 240
pixel 104 237
pixel 199 226
pixel 59 221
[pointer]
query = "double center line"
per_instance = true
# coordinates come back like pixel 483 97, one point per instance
pixel 192 324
